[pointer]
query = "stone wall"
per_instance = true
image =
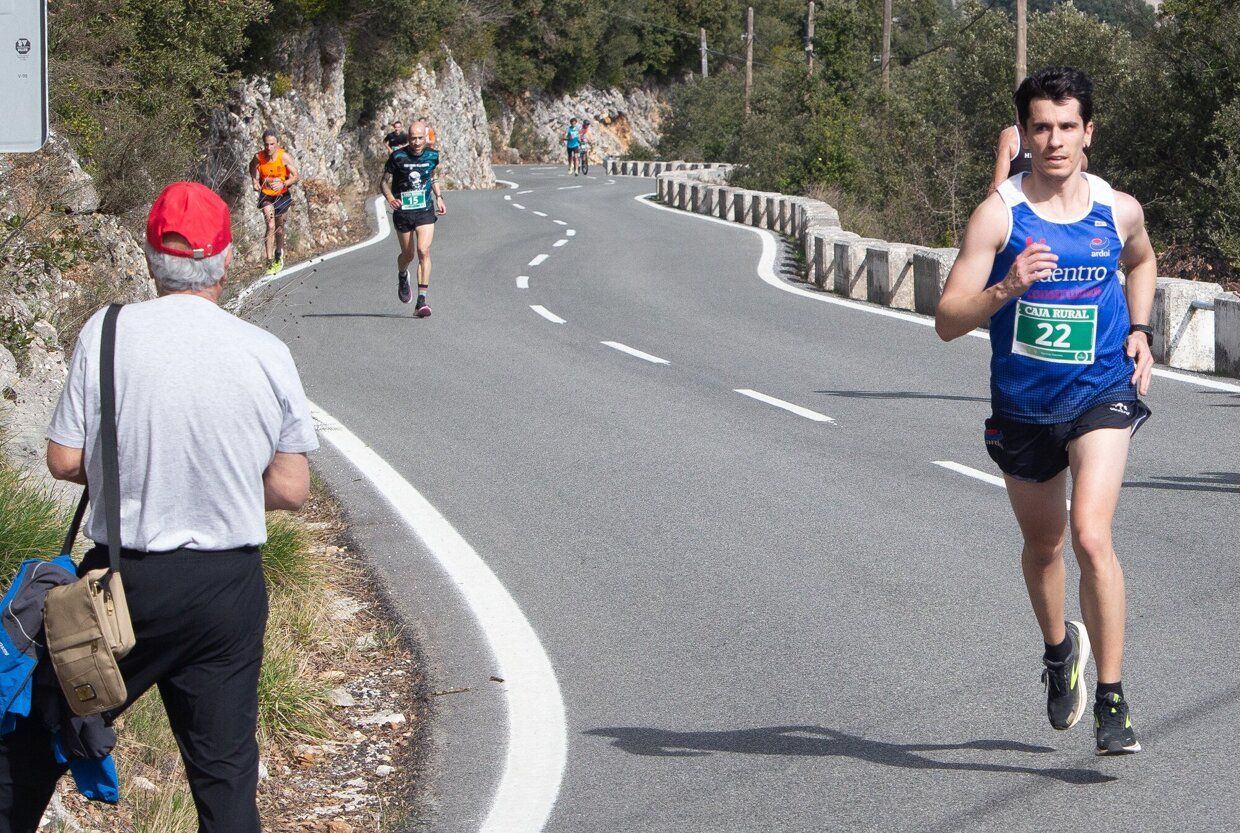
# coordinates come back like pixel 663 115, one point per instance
pixel 619 120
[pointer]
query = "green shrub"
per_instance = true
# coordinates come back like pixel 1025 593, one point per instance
pixel 281 85
pixel 638 152
pixel 33 521
pixel 288 562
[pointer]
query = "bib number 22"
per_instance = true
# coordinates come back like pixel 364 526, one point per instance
pixel 1063 333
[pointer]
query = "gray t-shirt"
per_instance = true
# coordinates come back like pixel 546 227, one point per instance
pixel 204 400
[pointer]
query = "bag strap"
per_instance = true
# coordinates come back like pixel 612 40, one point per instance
pixel 111 463
pixel 67 548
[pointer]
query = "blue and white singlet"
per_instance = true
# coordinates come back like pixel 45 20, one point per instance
pixel 1058 350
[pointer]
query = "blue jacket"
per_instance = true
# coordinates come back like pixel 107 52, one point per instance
pixel 84 744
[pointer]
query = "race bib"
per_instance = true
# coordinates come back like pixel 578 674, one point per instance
pixel 1064 333
pixel 413 200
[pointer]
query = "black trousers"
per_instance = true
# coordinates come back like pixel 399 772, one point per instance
pixel 198 620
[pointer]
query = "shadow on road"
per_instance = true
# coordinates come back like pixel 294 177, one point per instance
pixel 1207 481
pixel 819 741
pixel 408 316
pixel 900 394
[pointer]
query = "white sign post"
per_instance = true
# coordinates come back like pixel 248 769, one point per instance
pixel 23 75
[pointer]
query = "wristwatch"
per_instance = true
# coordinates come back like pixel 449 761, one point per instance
pixel 1143 328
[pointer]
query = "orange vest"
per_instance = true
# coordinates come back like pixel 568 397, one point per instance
pixel 274 169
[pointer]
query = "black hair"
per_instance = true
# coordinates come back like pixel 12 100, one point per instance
pixel 1057 84
pixel 270 133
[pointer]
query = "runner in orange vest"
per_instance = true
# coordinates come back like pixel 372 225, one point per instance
pixel 272 171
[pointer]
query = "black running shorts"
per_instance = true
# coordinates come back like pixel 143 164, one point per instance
pixel 1037 453
pixel 409 220
pixel 282 202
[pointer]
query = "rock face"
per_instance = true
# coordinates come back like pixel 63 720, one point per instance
pixel 530 128
pixel 339 163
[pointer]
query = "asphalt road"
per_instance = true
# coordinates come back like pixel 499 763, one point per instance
pixel 758 621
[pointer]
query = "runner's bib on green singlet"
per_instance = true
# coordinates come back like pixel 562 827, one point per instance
pixel 1064 333
pixel 413 200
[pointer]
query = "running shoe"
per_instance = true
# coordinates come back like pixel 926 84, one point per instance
pixel 403 291
pixel 1065 681
pixel 1113 726
pixel 277 264
pixel 422 308
pixel 273 266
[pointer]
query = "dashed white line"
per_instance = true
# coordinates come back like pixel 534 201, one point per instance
pixel 571 232
pixel 559 222
pixel 971 472
pixel 787 406
pixel 523 281
pixel 557 244
pixel 624 348
pixel 526 191
pixel 537 738
pixel 568 187
pixel 538 259
pixel 611 182
pixel 547 314
pixel 541 213
pixel 507 197
pixel 518 205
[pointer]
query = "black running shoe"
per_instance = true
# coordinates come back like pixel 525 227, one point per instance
pixel 1065 681
pixel 1113 726
pixel 403 291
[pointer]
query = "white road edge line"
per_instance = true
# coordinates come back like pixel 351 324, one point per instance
pixel 547 314
pixel 611 182
pixel 518 205
pixel 787 406
pixel 557 244
pixel 571 232
pixel 508 182
pixel 385 228
pixel 624 348
pixel 971 472
pixel 541 213
pixel 568 187
pixel 523 281
pixel 538 259
pixel 537 732
pixel 559 222
pixel 766 272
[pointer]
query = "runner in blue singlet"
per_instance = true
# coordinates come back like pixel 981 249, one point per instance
pixel 572 141
pixel 1070 354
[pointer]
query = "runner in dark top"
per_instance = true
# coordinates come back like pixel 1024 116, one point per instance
pixel 396 138
pixel 411 187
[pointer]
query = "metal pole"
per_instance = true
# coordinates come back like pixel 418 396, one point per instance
pixel 886 59
pixel 809 38
pixel 748 57
pixel 702 37
pixel 1020 40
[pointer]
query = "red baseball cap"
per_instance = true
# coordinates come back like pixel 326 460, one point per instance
pixel 193 211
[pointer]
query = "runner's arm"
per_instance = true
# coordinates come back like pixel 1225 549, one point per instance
pixel 255 180
pixel 1003 160
pixel 1141 268
pixel 385 186
pixel 436 179
pixel 294 173
pixel 967 302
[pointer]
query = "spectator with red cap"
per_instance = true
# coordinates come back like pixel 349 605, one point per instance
pixel 213 428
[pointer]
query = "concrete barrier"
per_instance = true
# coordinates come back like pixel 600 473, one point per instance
pixel 706 201
pixel 681 195
pixel 1184 332
pixel 889 275
pixel 723 203
pixel 849 267
pixel 1227 335
pixel 930 269
pixel 820 254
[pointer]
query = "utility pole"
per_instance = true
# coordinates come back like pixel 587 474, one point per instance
pixel 809 38
pixel 885 64
pixel 748 57
pixel 702 37
pixel 1020 40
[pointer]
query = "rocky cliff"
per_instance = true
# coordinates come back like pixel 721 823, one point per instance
pixel 529 128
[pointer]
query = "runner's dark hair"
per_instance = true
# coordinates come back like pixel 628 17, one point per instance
pixel 270 133
pixel 1059 84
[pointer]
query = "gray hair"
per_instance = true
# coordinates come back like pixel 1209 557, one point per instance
pixel 185 274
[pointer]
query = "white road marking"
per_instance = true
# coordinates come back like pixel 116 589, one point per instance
pixel 540 213
pixel 766 272
pixel 518 205
pixel 571 232
pixel 538 259
pixel 559 222
pixel 537 742
pixel 507 197
pixel 611 182
pixel 523 281
pixel 557 244
pixel 385 228
pixel 507 182
pixel 624 348
pixel 568 187
pixel 787 406
pixel 547 314
pixel 526 191
pixel 971 472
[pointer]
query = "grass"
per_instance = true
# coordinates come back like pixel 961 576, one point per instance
pixel 33 521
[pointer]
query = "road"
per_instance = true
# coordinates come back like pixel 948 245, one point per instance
pixel 759 618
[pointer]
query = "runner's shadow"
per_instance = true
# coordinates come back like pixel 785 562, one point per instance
pixel 1208 481
pixel 900 394
pixel 816 741
pixel 407 316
